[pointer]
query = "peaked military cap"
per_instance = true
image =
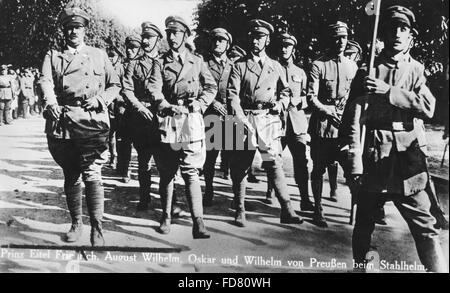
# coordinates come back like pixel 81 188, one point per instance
pixel 149 29
pixel 132 41
pixel 401 14
pixel 73 15
pixel 288 38
pixel 338 29
pixel 237 51
pixel 221 32
pixel 353 47
pixel 177 23
pixel 260 26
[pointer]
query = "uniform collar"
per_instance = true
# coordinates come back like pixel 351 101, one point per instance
pixel 262 57
pixel 394 61
pixel 220 60
pixel 177 55
pixel 72 50
pixel 287 63
pixel 152 54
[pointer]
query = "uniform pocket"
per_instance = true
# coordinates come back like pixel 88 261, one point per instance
pixel 330 85
pixel 296 79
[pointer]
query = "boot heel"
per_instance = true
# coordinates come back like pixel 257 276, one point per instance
pixel 199 230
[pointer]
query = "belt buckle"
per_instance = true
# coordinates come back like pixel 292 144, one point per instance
pixel 78 103
pixel 180 102
pixel 259 106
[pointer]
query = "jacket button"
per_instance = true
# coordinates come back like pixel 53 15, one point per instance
pixel 87 86
pixel 86 73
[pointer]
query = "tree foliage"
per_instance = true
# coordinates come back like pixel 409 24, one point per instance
pixel 28 28
pixel 307 20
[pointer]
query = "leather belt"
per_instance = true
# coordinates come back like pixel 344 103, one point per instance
pixel 259 106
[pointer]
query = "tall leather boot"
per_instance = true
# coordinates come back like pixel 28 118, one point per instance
pixel 199 229
pixel 73 199
pixel 239 202
pixel 208 173
pixel 270 193
pixel 166 193
pixel 251 178
pixel 332 177
pixel 275 175
pixel 288 216
pixel 319 219
pixel 209 195
pixel 95 203
pixel 1 116
pixel 123 159
pixel 436 208
pixel 305 203
pixel 145 181
pixel 112 145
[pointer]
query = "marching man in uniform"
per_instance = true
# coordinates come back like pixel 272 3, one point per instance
pixel 258 92
pixel 182 88
pixel 77 84
pixel 328 89
pixel 389 162
pixel 122 113
pixel 143 124
pixel 220 67
pixel 296 136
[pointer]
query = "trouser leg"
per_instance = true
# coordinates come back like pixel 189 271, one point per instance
pixel 364 225
pixel 332 177
pixel 301 175
pixel 7 112
pixel 167 161
pixel 415 209
pixel 25 109
pixel 208 172
pixel 193 191
pixel 124 148
pixel 319 154
pixel 240 161
pixel 275 175
pixel 224 163
pixel 2 111
pixel 72 189
pixel 144 175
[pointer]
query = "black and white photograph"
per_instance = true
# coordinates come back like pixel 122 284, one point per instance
pixel 224 137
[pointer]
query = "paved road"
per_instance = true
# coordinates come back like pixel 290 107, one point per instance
pixel 33 212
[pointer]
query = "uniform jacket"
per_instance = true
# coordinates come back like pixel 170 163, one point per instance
pixel 250 84
pixel 297 80
pixel 6 87
pixel 221 74
pixel 137 96
pixel 118 68
pixel 178 83
pixel 393 158
pixel 68 79
pixel 329 83
pixel 137 74
pixel 27 87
